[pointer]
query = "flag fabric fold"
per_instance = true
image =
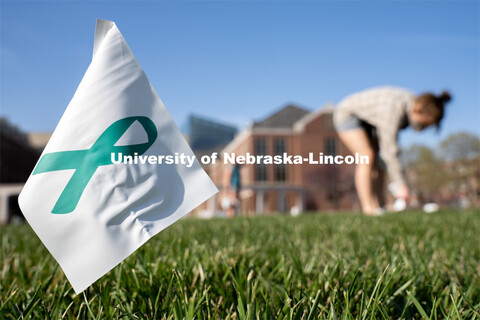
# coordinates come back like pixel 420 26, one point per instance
pixel 90 213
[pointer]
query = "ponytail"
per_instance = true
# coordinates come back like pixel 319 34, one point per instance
pixel 444 97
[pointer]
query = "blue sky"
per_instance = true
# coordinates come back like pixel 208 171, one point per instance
pixel 239 61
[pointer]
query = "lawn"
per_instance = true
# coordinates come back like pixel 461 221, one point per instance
pixel 409 265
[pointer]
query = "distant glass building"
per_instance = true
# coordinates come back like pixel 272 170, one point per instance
pixel 17 155
pixel 204 134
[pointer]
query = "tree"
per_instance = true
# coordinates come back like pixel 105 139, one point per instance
pixel 424 170
pixel 461 152
pixel 460 146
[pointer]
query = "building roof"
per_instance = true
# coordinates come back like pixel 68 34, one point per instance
pixel 299 126
pixel 283 118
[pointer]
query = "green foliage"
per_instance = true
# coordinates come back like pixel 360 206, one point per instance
pixel 460 146
pixel 430 175
pixel 342 266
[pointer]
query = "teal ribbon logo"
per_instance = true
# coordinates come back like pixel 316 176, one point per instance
pixel 86 162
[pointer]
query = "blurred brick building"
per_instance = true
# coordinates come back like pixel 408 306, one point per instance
pixel 289 188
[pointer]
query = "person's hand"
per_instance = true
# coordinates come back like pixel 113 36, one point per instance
pixel 403 192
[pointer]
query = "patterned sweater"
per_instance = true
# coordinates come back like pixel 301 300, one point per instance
pixel 385 108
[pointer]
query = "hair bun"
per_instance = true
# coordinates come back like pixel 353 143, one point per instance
pixel 445 97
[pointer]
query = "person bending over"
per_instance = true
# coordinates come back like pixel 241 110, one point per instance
pixel 368 122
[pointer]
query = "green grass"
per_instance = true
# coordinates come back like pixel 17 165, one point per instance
pixel 344 266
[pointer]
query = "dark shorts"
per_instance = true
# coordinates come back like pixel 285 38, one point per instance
pixel 354 123
pixel 351 123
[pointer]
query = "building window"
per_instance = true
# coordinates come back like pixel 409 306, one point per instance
pixel 280 170
pixel 260 146
pixel 279 146
pixel 261 172
pixel 330 146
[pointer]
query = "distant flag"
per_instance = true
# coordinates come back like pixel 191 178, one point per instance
pixel 91 214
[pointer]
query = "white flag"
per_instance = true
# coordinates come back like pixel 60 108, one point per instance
pixel 88 211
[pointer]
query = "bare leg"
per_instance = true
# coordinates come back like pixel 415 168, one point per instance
pixel 357 141
pixel 375 187
pixel 378 182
